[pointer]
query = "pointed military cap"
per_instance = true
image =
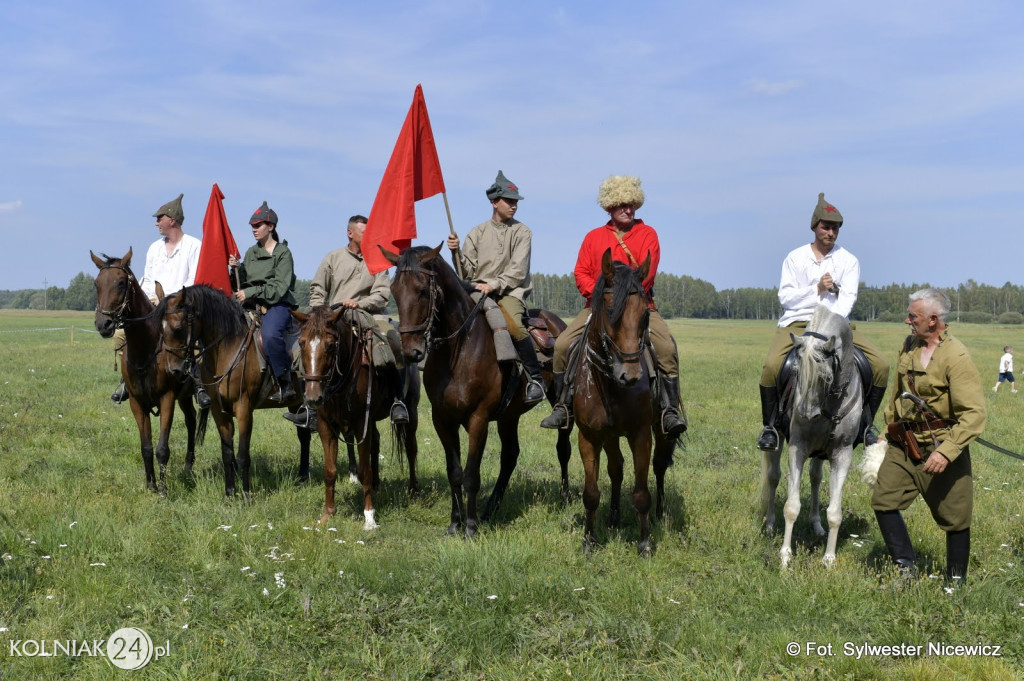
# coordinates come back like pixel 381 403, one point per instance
pixel 263 214
pixel 172 209
pixel 503 188
pixel 825 211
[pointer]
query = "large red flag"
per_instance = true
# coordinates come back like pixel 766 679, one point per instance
pixel 413 173
pixel 217 245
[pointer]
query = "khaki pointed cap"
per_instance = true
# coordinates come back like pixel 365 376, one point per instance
pixel 172 209
pixel 825 211
pixel 503 188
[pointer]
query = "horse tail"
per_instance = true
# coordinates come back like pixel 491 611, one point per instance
pixel 204 417
pixel 873 456
pixel 398 442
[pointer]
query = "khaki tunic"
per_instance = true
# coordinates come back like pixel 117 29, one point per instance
pixel 952 389
pixel 498 254
pixel 343 275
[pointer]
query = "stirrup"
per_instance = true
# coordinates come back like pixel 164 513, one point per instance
pixel 120 395
pixel 202 397
pixel 769 439
pixel 676 430
pixel 870 435
pixel 559 418
pixel 303 418
pixel 399 413
pixel 534 392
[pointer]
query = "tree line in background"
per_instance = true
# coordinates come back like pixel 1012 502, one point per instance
pixel 677 296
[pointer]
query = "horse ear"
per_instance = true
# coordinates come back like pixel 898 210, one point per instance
pixel 608 266
pixel 433 253
pixel 97 260
pixel 333 319
pixel 301 317
pixel 645 267
pixel 796 340
pixel 127 259
pixel 160 291
pixel 830 344
pixel 388 255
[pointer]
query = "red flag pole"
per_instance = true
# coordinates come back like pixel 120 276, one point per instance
pixel 451 229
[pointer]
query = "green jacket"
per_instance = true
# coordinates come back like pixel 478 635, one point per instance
pixel 952 388
pixel 269 279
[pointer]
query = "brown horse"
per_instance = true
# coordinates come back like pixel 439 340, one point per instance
pixel 201 319
pixel 613 397
pixel 350 397
pixel 120 303
pixel 467 387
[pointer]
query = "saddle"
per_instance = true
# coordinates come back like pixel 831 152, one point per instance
pixel 543 341
pixel 787 382
pixel 291 343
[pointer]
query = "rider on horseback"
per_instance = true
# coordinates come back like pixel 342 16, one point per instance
pixel 818 274
pixel 631 241
pixel 171 260
pixel 343 280
pixel 495 260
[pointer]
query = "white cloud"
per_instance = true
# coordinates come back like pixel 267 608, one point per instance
pixel 773 89
pixel 10 206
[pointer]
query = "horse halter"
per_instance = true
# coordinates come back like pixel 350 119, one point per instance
pixel 427 327
pixel 117 313
pixel 186 352
pixel 838 391
pixel 611 352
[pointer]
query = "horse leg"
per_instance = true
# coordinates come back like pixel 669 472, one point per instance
pixel 771 473
pixel 145 441
pixel 353 469
pixel 369 455
pixel 244 415
pixel 330 445
pixel 508 434
pixel 163 447
pixel 663 448
pixel 792 508
pixel 412 451
pixel 305 437
pixel 838 469
pixel 564 449
pixel 640 444
pixel 189 411
pixel 614 452
pixel 590 454
pixel 477 431
pixel 448 434
pixel 815 473
pixel 226 430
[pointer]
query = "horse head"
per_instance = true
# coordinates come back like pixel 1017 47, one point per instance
pixel 418 296
pixel 178 329
pixel 320 344
pixel 620 316
pixel 824 365
pixel 116 292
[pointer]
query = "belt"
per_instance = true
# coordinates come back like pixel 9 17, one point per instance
pixel 920 427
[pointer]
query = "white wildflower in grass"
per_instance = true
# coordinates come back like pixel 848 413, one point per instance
pixel 341 573
pixel 246 568
pixel 252 527
pixel 184 626
pixel 269 526
pixel 339 541
pixel 265 592
pixel 332 529
pixel 73 524
pixel 672 600
pixel 97 565
pixel 492 597
pixel 49 598
pixel 307 527
pixel 4 629
pixel 279 579
pixel 580 588
pixel 360 541
pixel 948 589
pixel 224 527
pixel 62 546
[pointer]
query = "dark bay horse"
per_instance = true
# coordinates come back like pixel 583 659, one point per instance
pixel 350 397
pixel 824 410
pixel 120 303
pixel 439 322
pixel 203 317
pixel 613 398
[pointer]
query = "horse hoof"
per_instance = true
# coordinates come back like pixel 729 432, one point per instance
pixel 470 530
pixel 370 520
pixel 613 520
pixel 353 478
pixel 589 544
pixel 452 530
pixel 645 549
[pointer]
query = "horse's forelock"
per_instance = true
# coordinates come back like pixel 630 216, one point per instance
pixel 626 281
pixel 318 321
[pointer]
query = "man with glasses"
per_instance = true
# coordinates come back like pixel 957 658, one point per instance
pixel 816 274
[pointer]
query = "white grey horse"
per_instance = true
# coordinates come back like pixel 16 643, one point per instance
pixel 824 408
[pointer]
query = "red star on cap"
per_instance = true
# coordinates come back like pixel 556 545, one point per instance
pixel 830 209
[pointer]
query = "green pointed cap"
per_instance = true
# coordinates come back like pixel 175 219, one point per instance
pixel 172 209
pixel 825 211
pixel 503 188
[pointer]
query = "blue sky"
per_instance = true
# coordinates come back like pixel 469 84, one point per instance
pixel 734 114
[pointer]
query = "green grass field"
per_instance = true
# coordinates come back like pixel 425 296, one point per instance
pixel 258 590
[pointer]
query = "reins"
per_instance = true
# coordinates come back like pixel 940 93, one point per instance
pixel 427 327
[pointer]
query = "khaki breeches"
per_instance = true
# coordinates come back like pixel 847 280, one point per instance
pixel 949 495
pixel 661 338
pixel 782 344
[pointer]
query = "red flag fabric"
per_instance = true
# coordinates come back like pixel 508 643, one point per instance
pixel 218 243
pixel 413 173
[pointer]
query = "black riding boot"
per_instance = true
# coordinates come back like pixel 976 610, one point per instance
pixel 897 540
pixel 399 412
pixel 769 439
pixel 305 417
pixel 286 393
pixel 121 394
pixel 875 396
pixel 535 382
pixel 958 554
pixel 561 414
pixel 202 397
pixel 672 423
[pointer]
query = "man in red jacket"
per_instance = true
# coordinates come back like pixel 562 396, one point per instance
pixel 631 241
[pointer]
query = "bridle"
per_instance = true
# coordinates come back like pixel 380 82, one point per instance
pixel 428 324
pixel 837 392
pixel 117 313
pixel 610 354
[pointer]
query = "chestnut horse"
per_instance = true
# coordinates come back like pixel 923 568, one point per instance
pixel 467 387
pixel 613 397
pixel 202 319
pixel 350 398
pixel 120 303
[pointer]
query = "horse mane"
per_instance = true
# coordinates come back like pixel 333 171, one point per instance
pixel 812 356
pixel 220 313
pixel 625 281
